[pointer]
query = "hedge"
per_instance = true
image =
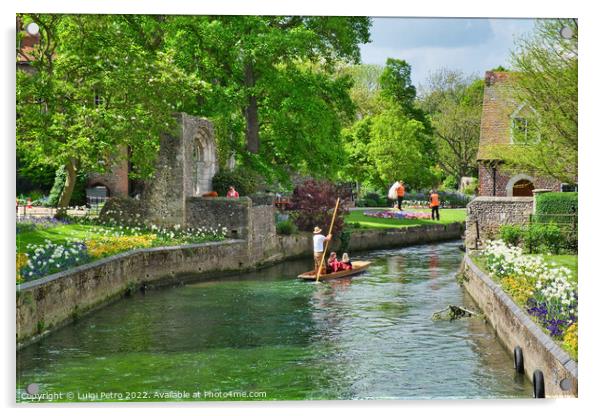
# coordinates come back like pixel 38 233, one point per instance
pixel 558 207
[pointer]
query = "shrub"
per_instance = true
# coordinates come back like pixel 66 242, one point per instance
pixel 314 201
pixel 542 238
pixel 286 227
pixel 558 207
pixel 244 180
pixel 511 234
pixel 345 238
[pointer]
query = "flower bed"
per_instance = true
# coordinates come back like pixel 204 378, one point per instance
pixel 99 240
pixel 545 292
pixel 399 215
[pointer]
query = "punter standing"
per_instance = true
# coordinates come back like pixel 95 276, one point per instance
pixel 319 241
pixel 434 204
pixel 401 191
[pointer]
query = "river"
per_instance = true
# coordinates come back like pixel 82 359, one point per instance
pixel 269 336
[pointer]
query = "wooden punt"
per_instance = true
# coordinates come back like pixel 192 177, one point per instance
pixel 358 267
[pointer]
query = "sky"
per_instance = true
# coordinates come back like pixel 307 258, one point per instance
pixel 428 44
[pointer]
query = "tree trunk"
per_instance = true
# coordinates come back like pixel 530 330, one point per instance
pixel 65 198
pixel 251 113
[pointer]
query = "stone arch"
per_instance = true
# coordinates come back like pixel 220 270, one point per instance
pixel 103 184
pixel 515 179
pixel 204 161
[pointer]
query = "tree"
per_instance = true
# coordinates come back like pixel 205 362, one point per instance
pixel 270 70
pixel 99 84
pixel 546 65
pixel 398 90
pixel 454 102
pixel 365 92
pixel 400 148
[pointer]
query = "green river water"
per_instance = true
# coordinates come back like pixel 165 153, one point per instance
pixel 269 336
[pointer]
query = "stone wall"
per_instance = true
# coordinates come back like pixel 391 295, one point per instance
pixel 163 195
pixel 220 212
pixel 486 214
pixel 399 237
pixel 514 328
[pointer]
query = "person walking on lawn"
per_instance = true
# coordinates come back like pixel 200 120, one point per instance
pixel 319 241
pixel 401 191
pixel 434 204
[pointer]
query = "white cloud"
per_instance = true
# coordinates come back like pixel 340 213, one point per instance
pixel 491 48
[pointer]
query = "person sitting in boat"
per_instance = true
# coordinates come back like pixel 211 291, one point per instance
pixel 345 263
pixel 333 264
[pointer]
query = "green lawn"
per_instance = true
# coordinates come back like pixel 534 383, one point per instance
pixel 447 217
pixel 58 234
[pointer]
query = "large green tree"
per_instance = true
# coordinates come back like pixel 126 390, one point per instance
pixel 454 102
pixel 277 73
pixel 394 142
pixel 98 84
pixel 545 80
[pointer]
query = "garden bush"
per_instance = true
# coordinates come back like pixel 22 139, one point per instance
pixel 242 179
pixel 543 238
pixel 511 234
pixel 558 207
pixel 313 202
pixel 286 227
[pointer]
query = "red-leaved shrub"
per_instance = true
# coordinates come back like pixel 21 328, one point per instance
pixel 314 202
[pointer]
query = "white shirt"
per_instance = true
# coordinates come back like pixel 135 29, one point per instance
pixel 319 243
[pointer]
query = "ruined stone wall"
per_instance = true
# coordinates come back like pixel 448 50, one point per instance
pixel 234 214
pixel 262 227
pixel 163 195
pixel 488 213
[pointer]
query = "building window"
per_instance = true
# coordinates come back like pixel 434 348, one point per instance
pixel 565 187
pixel 524 125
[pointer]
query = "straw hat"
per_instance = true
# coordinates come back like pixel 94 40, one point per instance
pixel 317 230
pixel 345 258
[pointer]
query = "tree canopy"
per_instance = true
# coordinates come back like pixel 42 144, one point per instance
pixel 453 102
pixel 95 86
pixel 546 65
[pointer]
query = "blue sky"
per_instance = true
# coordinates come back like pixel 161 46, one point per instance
pixel 470 45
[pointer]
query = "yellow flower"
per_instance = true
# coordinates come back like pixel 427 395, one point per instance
pixel 109 245
pixel 519 287
pixel 21 262
pixel 569 341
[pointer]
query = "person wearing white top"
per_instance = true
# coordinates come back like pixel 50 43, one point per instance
pixel 319 241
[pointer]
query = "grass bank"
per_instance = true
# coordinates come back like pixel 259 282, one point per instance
pixel 448 216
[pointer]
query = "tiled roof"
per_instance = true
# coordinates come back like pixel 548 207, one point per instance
pixel 498 105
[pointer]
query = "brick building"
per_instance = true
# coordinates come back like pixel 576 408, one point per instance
pixel 505 122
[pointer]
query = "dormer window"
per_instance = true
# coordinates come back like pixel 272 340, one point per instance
pixel 524 125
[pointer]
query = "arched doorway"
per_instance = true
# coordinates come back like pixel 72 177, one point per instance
pixel 204 162
pixel 523 187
